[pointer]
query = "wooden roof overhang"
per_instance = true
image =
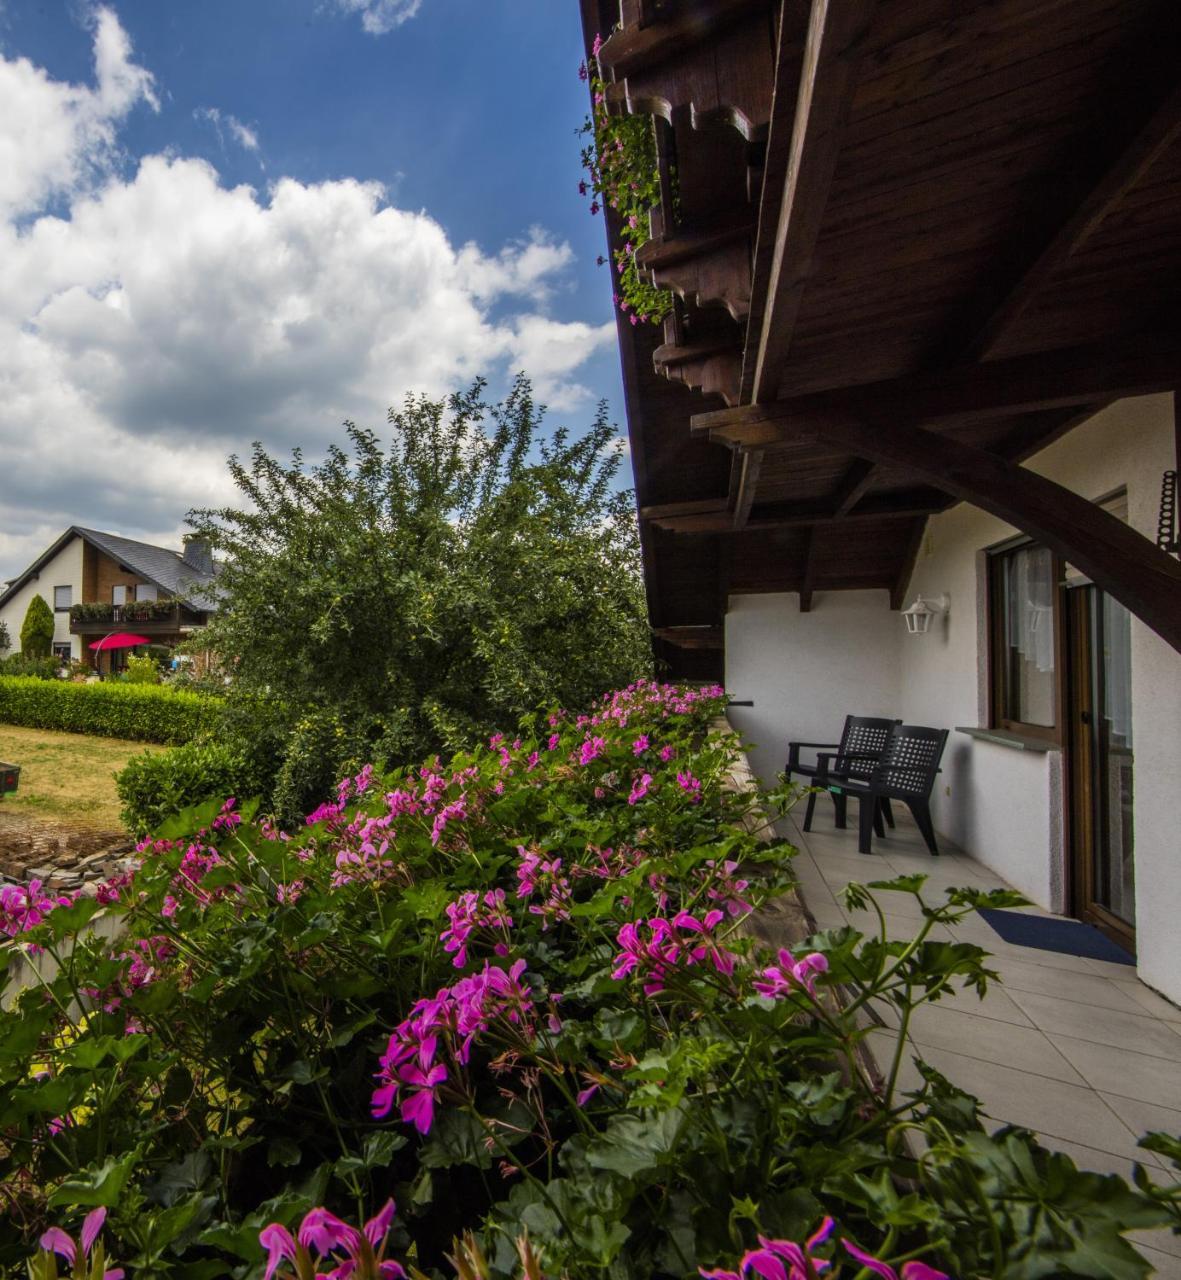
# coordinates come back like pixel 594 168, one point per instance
pixel 912 242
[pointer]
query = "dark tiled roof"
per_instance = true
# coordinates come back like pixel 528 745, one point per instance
pixel 167 569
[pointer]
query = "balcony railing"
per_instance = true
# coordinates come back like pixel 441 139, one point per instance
pixel 152 617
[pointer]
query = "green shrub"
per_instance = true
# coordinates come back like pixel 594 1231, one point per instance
pixel 143 670
pixel 37 629
pixel 154 787
pixel 5 643
pixel 19 664
pixel 143 713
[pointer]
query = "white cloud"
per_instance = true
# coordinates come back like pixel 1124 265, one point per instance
pixel 242 134
pixel 549 351
pixel 157 320
pixel 379 17
pixel 56 138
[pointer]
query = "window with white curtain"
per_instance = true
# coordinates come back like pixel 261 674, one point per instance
pixel 1024 586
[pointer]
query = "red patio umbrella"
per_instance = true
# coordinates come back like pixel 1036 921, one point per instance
pixel 119 640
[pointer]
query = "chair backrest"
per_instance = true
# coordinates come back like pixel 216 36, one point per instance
pixel 862 736
pixel 910 761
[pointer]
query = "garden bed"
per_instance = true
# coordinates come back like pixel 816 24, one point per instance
pixel 517 994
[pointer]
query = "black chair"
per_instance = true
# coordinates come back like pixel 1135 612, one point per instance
pixel 862 742
pixel 905 771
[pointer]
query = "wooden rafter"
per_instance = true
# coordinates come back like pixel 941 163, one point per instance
pixel 808 585
pixel 854 485
pixel 831 54
pixel 636 49
pixel 1000 388
pixel 749 464
pixel 1113 555
pixel 1125 168
pixel 914 544
pixel 785 515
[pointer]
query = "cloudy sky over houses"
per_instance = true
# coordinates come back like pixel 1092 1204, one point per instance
pixel 223 222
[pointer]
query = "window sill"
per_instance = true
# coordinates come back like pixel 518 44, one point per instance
pixel 1006 738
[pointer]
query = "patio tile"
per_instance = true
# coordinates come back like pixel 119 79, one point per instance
pixel 1134 1032
pixel 826 914
pixel 997 1005
pixel 1145 1117
pixel 1117 1071
pixel 1165 1266
pixel 1150 1001
pixel 1092 1160
pixel 1110 969
pixel 1066 1111
pixel 1159 1240
pixel 1080 986
pixel 988 1040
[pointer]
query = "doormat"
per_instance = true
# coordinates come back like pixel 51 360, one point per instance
pixel 1069 937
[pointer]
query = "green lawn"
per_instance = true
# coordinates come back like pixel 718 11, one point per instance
pixel 66 777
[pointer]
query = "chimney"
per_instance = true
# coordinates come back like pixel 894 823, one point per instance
pixel 198 554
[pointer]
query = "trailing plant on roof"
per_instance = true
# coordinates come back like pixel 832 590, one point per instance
pixel 623 175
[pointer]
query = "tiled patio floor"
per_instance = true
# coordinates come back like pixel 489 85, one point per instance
pixel 1079 1050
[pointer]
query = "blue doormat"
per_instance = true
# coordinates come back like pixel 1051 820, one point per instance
pixel 1069 937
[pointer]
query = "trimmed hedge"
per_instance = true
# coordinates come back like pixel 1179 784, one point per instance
pixel 154 787
pixel 143 713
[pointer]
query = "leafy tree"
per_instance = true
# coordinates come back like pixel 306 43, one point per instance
pixel 37 629
pixel 5 643
pixel 398 599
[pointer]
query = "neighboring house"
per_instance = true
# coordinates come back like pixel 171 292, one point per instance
pixel 99 583
pixel 925 260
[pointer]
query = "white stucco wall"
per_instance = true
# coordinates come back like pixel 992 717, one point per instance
pixel 65 569
pixel 805 671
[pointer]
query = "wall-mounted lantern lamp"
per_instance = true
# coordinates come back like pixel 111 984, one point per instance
pixel 918 616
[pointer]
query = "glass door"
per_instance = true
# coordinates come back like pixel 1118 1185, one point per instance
pixel 1103 833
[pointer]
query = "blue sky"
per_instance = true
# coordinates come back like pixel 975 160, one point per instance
pixel 201 257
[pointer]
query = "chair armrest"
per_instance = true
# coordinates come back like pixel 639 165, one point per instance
pixel 793 750
pixel 824 771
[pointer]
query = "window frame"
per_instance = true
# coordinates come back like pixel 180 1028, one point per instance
pixel 998 665
pixel 119 586
pixel 59 608
pixel 59 645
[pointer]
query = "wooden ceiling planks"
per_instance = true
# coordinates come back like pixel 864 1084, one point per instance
pixel 971 178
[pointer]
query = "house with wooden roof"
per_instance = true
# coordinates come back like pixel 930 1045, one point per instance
pixel 906 444
pixel 100 583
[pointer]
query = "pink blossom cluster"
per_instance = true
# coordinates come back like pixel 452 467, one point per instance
pixel 655 948
pixel 23 907
pixel 471 912
pixel 77 1255
pixel 726 889
pixel 147 955
pixel 357 1254
pixel 786 1260
pixel 362 850
pixel 447 1025
pixel 542 878
pixel 790 975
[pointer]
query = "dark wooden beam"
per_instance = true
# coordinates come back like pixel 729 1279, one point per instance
pixel 703 637
pixel 856 481
pixel 832 51
pixel 1113 555
pixel 999 388
pixel 807 587
pixel 639 49
pixel 1125 165
pixel 784 96
pixel 750 462
pixel 914 544
pixel 792 515
pixel 658 512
